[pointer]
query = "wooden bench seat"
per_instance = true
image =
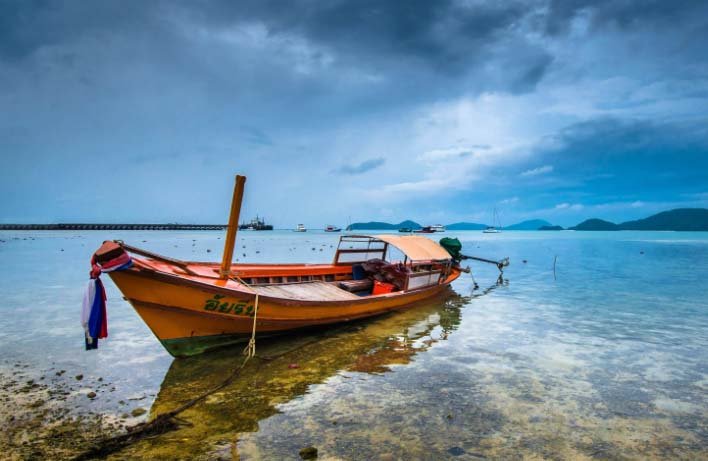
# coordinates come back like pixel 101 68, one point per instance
pixel 307 291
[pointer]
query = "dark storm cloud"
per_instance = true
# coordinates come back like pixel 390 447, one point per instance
pixel 363 167
pixel 625 14
pixel 632 159
pixel 451 41
pixel 27 26
pixel 443 34
pixel 409 43
pixel 527 76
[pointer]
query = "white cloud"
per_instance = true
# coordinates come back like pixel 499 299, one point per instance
pixel 627 205
pixel 425 185
pixel 490 131
pixel 437 155
pixel 537 171
pixel 569 206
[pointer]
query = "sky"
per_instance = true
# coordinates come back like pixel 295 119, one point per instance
pixel 339 111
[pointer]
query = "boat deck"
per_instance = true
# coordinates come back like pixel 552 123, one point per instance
pixel 308 291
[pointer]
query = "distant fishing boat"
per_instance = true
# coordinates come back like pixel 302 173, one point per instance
pixel 331 228
pixel 425 230
pixel 256 224
pixel 438 228
pixel 192 307
pixel 300 228
pixel 405 229
pixel 495 228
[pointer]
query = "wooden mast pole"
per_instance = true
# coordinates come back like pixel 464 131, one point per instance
pixel 233 227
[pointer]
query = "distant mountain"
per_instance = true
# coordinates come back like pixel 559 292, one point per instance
pixel 680 219
pixel 596 225
pixel 533 224
pixel 465 226
pixel 377 225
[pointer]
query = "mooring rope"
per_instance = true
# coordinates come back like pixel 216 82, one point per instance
pixel 250 349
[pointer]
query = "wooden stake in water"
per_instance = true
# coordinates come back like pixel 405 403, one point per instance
pixel 233 227
pixel 554 266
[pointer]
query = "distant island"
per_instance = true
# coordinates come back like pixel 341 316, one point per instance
pixel 377 225
pixel 595 225
pixel 680 219
pixel 534 224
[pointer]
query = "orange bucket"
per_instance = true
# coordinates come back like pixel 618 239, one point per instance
pixel 382 287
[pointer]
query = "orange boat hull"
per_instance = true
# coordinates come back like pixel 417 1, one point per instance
pixel 190 313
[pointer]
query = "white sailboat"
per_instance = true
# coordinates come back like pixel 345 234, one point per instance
pixel 495 228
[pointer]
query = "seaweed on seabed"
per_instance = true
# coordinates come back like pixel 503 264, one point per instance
pixel 162 423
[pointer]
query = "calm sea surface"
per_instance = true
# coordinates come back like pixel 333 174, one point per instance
pixel 607 359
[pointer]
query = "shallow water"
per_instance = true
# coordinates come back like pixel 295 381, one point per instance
pixel 608 359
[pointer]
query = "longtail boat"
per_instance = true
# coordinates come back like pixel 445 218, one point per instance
pixel 192 307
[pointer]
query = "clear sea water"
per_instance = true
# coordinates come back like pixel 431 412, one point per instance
pixel 606 359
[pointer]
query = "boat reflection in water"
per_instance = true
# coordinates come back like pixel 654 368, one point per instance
pixel 284 369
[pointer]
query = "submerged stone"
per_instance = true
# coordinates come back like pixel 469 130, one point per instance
pixel 308 453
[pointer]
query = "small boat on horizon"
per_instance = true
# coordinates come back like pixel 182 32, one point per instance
pixel 430 229
pixel 300 228
pixel 405 229
pixel 495 228
pixel 331 228
pixel 256 224
pixel 425 230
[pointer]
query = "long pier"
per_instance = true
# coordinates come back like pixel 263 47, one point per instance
pixel 89 226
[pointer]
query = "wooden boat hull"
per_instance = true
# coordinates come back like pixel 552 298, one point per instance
pixel 190 315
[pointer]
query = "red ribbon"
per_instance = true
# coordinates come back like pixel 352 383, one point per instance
pixel 95 271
